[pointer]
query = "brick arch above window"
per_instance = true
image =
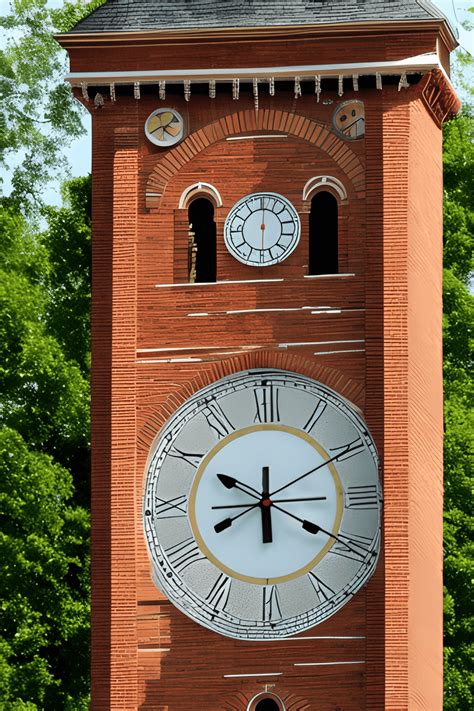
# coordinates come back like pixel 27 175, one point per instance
pixel 243 122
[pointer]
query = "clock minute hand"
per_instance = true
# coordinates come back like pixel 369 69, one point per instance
pixel 311 471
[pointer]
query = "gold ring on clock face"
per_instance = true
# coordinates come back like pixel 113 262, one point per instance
pixel 255 447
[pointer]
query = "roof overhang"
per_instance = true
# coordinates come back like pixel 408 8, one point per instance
pixel 419 64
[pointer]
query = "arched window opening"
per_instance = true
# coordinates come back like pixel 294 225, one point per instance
pixel 323 237
pixel 267 705
pixel 202 241
pixel 266 701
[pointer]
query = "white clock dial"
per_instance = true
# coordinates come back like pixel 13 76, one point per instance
pixel 262 229
pixel 262 505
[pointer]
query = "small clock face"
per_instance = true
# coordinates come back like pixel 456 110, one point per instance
pixel 262 229
pixel 164 127
pixel 262 505
pixel 349 119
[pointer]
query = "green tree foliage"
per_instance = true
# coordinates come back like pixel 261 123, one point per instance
pixel 68 241
pixel 44 360
pixel 459 420
pixel 45 580
pixel 39 116
pixel 44 462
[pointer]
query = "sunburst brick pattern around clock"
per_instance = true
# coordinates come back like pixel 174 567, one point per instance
pixel 313 344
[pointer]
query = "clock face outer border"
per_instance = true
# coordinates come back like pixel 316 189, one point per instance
pixel 245 238
pixel 231 581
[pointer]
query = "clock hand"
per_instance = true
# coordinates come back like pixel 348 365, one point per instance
pixel 305 498
pixel 314 528
pixel 315 469
pixel 307 525
pixel 349 125
pixel 265 506
pixel 227 522
pixel 262 226
pixel 231 483
pixel 345 543
pixel 276 501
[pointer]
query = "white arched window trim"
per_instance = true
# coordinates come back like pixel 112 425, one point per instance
pixel 265 695
pixel 324 181
pixel 204 189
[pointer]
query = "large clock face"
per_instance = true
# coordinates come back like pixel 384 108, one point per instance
pixel 262 229
pixel 262 505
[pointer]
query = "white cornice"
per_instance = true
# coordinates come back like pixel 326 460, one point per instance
pixel 420 63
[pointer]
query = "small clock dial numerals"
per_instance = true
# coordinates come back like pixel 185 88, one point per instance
pixel 262 503
pixel 262 229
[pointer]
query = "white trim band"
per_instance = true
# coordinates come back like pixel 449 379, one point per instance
pixel 324 664
pixel 242 676
pixel 419 63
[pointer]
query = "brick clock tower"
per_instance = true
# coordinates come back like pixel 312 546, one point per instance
pixel 266 352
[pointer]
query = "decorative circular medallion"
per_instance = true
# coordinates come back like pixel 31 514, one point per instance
pixel 262 229
pixel 262 505
pixel 164 127
pixel 349 119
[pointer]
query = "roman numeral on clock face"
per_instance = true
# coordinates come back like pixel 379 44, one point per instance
pixel 346 451
pixel 362 497
pixel 218 596
pixel 174 508
pixel 353 546
pixel 183 554
pixel 270 604
pixel 192 458
pixel 217 419
pixel 266 403
pixel 322 590
pixel 315 415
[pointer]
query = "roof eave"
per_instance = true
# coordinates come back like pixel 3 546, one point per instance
pixel 72 39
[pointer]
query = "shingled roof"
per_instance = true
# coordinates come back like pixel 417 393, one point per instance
pixel 140 15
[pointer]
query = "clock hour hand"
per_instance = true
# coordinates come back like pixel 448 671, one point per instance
pixel 265 506
pixel 230 483
pixel 227 522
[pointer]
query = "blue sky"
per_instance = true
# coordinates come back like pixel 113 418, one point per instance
pixel 79 152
